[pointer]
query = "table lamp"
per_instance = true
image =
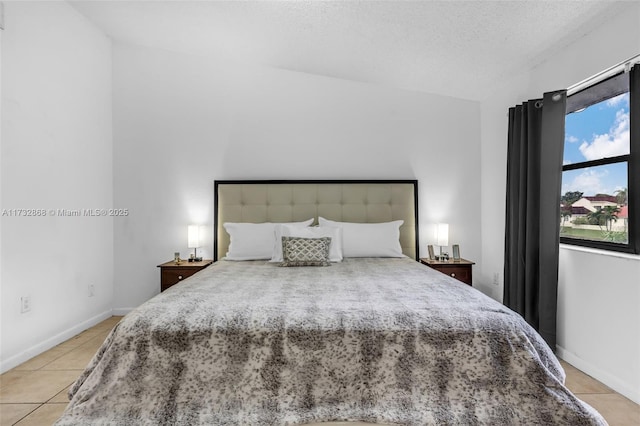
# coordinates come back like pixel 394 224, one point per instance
pixel 194 241
pixel 442 236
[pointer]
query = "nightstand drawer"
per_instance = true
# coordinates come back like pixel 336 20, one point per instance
pixel 460 270
pixel 461 273
pixel 171 274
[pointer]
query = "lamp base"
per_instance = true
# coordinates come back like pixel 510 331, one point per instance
pixel 195 259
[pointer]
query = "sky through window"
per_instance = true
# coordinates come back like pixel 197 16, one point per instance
pixel 599 131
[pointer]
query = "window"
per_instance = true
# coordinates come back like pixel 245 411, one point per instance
pixel 598 177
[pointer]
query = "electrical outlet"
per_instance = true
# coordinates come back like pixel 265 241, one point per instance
pixel 496 278
pixel 91 290
pixel 25 304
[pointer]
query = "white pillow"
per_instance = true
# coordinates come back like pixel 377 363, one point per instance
pixel 369 239
pixel 253 241
pixel 335 233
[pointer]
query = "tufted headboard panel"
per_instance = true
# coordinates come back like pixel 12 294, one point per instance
pixel 359 201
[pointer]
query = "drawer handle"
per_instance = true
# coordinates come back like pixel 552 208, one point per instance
pixel 453 274
pixel 179 277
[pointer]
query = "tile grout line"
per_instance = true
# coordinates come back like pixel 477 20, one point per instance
pixel 596 393
pixel 28 414
pixel 44 367
pixel 63 389
pixel 65 369
pixel 17 368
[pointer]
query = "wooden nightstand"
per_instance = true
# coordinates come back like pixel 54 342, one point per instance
pixel 171 274
pixel 459 269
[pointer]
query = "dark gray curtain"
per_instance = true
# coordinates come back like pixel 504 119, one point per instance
pixel 534 175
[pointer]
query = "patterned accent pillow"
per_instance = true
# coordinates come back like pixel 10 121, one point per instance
pixel 298 251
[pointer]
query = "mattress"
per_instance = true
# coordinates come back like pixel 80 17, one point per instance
pixel 377 340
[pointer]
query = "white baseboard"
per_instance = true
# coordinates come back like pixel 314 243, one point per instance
pixel 121 311
pixel 613 382
pixel 41 347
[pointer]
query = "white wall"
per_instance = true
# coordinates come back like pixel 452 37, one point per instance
pixel 181 122
pixel 1 204
pixel 56 154
pixel 598 297
pixel 599 317
pixel 494 125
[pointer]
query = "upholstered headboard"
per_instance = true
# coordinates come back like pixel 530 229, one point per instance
pixel 359 201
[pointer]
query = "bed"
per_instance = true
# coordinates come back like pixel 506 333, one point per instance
pixel 374 339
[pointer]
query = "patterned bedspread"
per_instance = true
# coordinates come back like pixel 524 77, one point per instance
pixel 378 340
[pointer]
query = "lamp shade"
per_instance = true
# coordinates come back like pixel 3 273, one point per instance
pixel 442 234
pixel 193 238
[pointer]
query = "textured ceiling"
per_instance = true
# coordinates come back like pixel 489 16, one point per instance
pixel 453 48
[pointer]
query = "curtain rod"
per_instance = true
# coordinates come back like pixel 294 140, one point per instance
pixel 603 75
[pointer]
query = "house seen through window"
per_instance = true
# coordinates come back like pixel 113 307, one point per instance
pixel 594 209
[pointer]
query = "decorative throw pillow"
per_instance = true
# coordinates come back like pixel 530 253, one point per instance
pixel 298 251
pixel 282 230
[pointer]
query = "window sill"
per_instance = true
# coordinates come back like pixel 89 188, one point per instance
pixel 600 252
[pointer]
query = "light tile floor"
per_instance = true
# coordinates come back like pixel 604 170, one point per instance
pixel 35 392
